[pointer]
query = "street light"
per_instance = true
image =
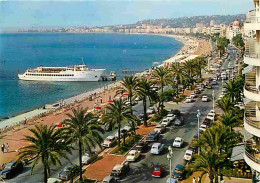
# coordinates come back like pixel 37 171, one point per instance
pixel 169 157
pixel 213 96
pixel 198 116
pixel 222 83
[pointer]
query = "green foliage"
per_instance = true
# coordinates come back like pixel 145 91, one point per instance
pixel 238 41
pixel 46 145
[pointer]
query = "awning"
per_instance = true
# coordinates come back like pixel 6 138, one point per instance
pixel 248 69
pixel 238 153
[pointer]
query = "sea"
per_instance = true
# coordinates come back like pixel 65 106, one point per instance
pixel 114 52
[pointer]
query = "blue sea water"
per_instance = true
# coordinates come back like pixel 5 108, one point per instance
pixel 114 52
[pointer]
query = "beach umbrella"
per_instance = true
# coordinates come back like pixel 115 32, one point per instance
pixel 110 101
pixel 126 94
pixel 98 107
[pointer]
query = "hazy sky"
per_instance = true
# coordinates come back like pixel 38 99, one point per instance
pixel 16 14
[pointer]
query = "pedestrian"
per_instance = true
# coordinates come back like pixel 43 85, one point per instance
pixel 194 180
pixel 7 147
pixel 101 100
pixel 198 179
pixel 3 148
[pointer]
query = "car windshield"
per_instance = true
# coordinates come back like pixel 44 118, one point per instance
pixel 177 141
pixel 188 154
pixel 155 147
pixel 8 166
pixel 157 169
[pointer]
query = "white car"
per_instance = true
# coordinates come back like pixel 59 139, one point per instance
pixel 178 142
pixel 189 99
pixel 204 98
pixel 150 110
pixel 193 95
pixel 211 116
pixel 89 157
pixel 157 148
pixel 110 140
pixel 133 155
pixel 240 105
pixel 203 127
pixel 171 117
pixel 159 128
pixel 200 89
pixel 212 111
pixel 188 155
pixel 165 122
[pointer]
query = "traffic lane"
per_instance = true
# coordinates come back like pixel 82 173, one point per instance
pixel 142 170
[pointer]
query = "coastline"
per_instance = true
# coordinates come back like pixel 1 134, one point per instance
pixel 35 114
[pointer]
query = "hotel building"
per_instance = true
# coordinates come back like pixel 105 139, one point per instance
pixel 252 91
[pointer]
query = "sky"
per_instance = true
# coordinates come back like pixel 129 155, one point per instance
pixel 36 13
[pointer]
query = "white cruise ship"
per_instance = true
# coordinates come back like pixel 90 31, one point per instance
pixel 74 73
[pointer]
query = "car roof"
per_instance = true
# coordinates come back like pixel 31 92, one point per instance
pixel 132 151
pixel 156 144
pixel 158 126
pixel 108 178
pixel 189 151
pixel 178 138
pixel 110 137
pixel 180 167
pixel 118 167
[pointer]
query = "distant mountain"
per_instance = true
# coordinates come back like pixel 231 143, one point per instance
pixel 192 21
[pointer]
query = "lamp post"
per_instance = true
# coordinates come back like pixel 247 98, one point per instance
pixel 169 157
pixel 222 83
pixel 213 96
pixel 198 116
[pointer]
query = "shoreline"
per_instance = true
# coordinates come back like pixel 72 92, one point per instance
pixel 36 113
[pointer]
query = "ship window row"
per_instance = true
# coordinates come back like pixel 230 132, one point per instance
pixel 50 74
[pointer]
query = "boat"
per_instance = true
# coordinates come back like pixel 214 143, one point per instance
pixel 71 73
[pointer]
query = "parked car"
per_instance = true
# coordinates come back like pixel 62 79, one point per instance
pixel 170 117
pixel 193 95
pixel 109 179
pixel 157 148
pixel 157 171
pixel 209 86
pixel 211 116
pixel 159 128
pixel 188 155
pixel 178 142
pixel 203 127
pixel 178 172
pixel 176 112
pixel 133 155
pixel 109 142
pixel 171 180
pixel 206 121
pixel 166 122
pixel 141 146
pixel 140 116
pixel 66 172
pixel 11 169
pixel 150 110
pixel 152 136
pixel 189 100
pixel 89 157
pixel 178 121
pixel 204 99
pixel 120 170
pixel 214 82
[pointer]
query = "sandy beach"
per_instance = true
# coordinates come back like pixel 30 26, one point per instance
pixel 14 129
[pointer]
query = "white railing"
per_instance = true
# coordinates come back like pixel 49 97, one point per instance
pixel 252 48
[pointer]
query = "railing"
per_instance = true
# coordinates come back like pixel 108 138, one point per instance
pixel 251 88
pixel 253 123
pixel 251 156
pixel 251 18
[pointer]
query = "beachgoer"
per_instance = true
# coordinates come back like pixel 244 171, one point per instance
pixel 7 147
pixel 3 148
pixel 198 179
pixel 101 100
pixel 194 180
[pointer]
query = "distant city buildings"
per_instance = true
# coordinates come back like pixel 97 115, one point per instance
pixel 212 28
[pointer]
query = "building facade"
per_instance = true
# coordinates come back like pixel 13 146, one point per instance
pixel 252 92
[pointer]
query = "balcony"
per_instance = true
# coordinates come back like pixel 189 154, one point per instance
pixel 252 118
pixel 252 153
pixel 252 52
pixel 252 21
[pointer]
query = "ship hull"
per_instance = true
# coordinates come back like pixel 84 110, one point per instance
pixel 92 75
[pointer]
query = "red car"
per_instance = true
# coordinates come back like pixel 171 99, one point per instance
pixel 157 171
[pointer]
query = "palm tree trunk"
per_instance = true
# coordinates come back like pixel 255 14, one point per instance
pixel 162 101
pixel 119 128
pixel 45 174
pixel 124 140
pixel 145 112
pixel 211 178
pixel 80 161
pixel 130 100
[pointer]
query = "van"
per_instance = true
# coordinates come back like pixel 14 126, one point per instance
pixel 120 170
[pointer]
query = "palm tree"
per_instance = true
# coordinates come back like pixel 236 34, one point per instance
pixel 116 113
pixel 190 70
pixel 225 104
pixel 162 76
pixel 231 90
pixel 228 118
pixel 124 135
pixel 200 64
pixel 144 90
pixel 207 162
pixel 129 86
pixel 177 71
pixel 46 145
pixel 83 129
